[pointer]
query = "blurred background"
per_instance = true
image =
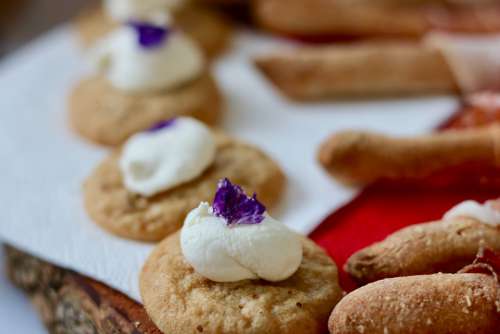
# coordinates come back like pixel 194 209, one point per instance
pixel 22 20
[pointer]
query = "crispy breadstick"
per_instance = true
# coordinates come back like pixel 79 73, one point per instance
pixel 440 246
pixel 463 303
pixel 380 68
pixel 400 3
pixel 411 3
pixel 327 17
pixel 324 17
pixel 226 2
pixel 360 158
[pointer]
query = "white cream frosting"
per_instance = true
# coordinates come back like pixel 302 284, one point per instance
pixel 152 162
pixel 135 69
pixel 268 250
pixel 485 213
pixel 126 10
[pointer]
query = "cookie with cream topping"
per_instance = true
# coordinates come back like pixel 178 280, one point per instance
pixel 441 246
pixel 235 269
pixel 144 190
pixel 204 25
pixel 146 73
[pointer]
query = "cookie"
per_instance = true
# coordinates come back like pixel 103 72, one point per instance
pixel 108 116
pixel 179 300
pixel 208 28
pixel 129 215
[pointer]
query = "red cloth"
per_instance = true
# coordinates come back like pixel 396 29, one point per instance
pixel 377 212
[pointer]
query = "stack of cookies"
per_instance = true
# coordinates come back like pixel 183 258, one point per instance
pixel 223 267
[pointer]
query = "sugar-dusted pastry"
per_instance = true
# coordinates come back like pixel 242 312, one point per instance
pixel 144 190
pixel 312 18
pixel 463 303
pixel 207 27
pixel 440 246
pixel 235 269
pixel 361 158
pixel 440 63
pixel 147 73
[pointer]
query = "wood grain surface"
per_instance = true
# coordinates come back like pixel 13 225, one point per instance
pixel 70 303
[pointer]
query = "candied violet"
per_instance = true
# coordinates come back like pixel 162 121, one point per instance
pixel 149 35
pixel 162 125
pixel 232 204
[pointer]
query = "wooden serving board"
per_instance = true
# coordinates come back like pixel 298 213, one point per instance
pixel 70 303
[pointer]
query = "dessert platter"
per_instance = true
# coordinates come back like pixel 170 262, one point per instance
pixel 171 169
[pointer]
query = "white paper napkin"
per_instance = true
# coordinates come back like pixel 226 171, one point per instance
pixel 43 163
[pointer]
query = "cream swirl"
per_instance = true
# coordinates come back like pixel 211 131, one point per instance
pixel 228 253
pixel 125 10
pixel 485 213
pixel 169 155
pixel 134 68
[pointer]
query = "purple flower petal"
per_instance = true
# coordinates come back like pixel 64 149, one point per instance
pixel 162 125
pixel 149 35
pixel 232 204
